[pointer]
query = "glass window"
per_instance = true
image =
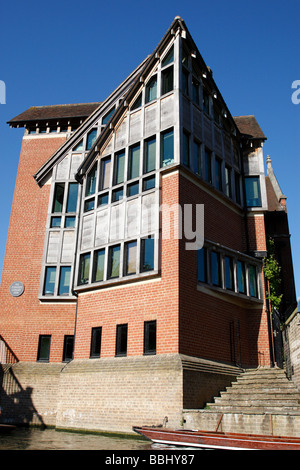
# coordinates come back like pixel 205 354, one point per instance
pixel 167 148
pixel 237 188
pixel 150 337
pixel 55 222
pixel 68 348
pixel 44 348
pixel 138 102
pixel 205 102
pixel 72 197
pixel 241 277
pixel 201 265
pixel 84 268
pixel 96 342
pixel 89 205
pixel 64 280
pixel 79 147
pixel 49 285
pixel 147 254
pixel 151 90
pixel 215 268
pixel 105 173
pixel 130 258
pixel 169 58
pixel 167 80
pixel 228 191
pixel 186 149
pixel 99 259
pixel 117 195
pixel 134 162
pixel 119 168
pixel 149 183
pixel 185 81
pixel 195 90
pixel 253 191
pixel 229 279
pixel 121 340
pixel 218 181
pixel 70 222
pixel 103 199
pixel 208 174
pixel 252 281
pixel 150 155
pixel 91 138
pixel 132 189
pixel 91 181
pixel 107 116
pixel 114 261
pixel 197 158
pixel 58 200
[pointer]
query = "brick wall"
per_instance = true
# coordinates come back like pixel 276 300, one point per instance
pixel 24 318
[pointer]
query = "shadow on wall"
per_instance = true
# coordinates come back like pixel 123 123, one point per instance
pixel 16 404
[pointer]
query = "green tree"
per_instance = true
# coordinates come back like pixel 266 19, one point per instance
pixel 272 272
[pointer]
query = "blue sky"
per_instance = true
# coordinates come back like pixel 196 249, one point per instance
pixel 73 52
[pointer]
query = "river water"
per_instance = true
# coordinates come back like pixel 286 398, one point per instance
pixel 50 439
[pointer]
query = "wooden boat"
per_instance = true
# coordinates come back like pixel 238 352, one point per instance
pixel 217 440
pixel 6 427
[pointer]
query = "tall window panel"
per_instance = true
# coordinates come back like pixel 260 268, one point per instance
pixel 150 337
pixel 121 340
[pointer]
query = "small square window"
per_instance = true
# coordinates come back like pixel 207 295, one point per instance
pixel 117 195
pixel 70 222
pixel 89 205
pixel 103 199
pixel 55 222
pixel 149 183
pixel 132 189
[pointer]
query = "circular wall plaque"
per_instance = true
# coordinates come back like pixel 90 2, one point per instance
pixel 16 289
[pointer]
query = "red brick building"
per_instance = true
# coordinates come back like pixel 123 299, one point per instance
pixel 102 271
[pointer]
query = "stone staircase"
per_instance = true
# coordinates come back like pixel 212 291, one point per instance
pixel 263 390
pixel 260 401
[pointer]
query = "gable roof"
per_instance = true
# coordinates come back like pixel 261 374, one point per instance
pixel 249 126
pixel 54 112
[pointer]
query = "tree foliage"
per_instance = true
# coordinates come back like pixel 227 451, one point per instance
pixel 272 272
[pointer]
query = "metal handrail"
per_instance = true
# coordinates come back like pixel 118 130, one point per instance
pixel 7 356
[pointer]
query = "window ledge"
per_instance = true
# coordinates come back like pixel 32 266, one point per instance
pixel 118 282
pixel 230 296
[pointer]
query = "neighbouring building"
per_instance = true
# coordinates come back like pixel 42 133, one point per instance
pixel 112 313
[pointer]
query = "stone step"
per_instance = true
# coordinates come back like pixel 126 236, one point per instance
pixel 293 410
pixel 261 401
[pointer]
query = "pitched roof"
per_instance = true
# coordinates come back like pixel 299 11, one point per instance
pixel 60 111
pixel 249 126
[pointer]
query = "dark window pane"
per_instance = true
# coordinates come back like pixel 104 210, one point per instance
pixel 228 181
pixel 55 222
pixel 253 281
pixel 64 280
pixel 114 262
pixel 96 342
pixel 253 192
pixel 99 258
pixel 218 174
pixel 121 340
pixel 89 205
pixel 72 197
pixel 197 158
pixel 185 81
pixel 237 188
pixel 107 117
pixel 201 265
pixel 137 103
pixel 186 149
pixel 103 199
pixel 91 181
pixel 148 183
pixel 79 147
pixel 168 58
pixel 196 87
pixel 205 102
pixel 167 148
pixel 208 175
pixel 105 173
pixel 215 268
pixel 150 337
pixel 44 348
pixel 130 258
pixel 84 268
pixel 229 280
pixel 147 254
pixel 151 89
pixel 70 222
pixel 49 280
pixel 68 348
pixel 91 137
pixel 58 197
pixel 134 162
pixel 150 155
pixel 167 80
pixel 132 189
pixel 241 277
pixel 117 195
pixel 119 168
